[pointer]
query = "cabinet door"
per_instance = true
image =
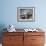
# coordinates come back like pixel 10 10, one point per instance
pixel 13 40
pixel 27 40
pixel 37 40
pixel 18 41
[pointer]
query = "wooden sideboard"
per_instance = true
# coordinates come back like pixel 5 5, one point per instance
pixel 23 38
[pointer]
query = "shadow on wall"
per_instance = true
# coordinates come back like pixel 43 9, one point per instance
pixel 2 26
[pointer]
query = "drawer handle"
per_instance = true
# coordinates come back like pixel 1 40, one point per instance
pixel 11 38
pixel 33 39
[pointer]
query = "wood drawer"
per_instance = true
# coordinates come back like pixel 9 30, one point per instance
pixel 37 44
pixel 12 39
pixel 37 39
pixel 34 33
pixel 20 44
pixel 13 33
pixel 27 41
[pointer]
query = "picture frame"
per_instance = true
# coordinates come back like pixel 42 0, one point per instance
pixel 25 14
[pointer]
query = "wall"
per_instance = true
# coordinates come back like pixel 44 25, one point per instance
pixel 9 13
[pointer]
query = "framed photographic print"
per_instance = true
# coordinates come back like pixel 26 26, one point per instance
pixel 25 14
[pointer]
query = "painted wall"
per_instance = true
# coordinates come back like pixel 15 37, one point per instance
pixel 8 15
